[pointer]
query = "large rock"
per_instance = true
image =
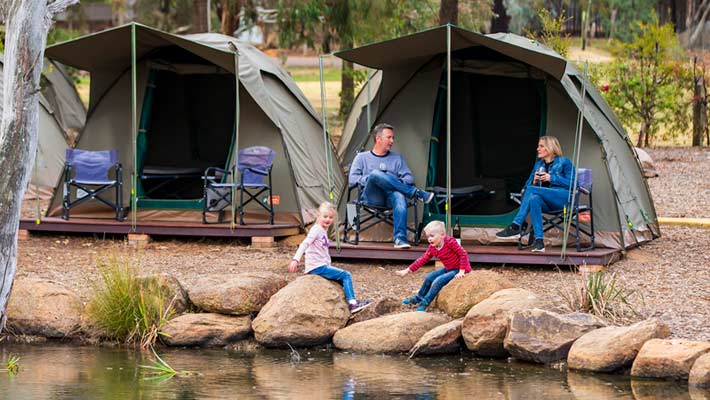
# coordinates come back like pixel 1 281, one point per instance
pixel 389 334
pixel 700 372
pixel 172 290
pixel 206 329
pixel 378 308
pixel 44 308
pixel 459 295
pixel 486 324
pixel 614 347
pixel 238 294
pixel 443 339
pixel 307 312
pixel 649 169
pixel 668 358
pixel 543 336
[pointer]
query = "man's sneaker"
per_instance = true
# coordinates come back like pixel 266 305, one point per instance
pixel 401 244
pixel 359 306
pixel 424 196
pixel 410 301
pixel 511 231
pixel 421 308
pixel 538 245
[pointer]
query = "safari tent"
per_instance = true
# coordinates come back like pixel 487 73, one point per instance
pixel 504 92
pixel 61 117
pixel 175 101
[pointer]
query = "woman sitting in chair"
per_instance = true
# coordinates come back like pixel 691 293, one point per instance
pixel 546 190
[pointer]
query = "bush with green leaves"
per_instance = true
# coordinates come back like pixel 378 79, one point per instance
pixel 125 307
pixel 600 294
pixel 551 31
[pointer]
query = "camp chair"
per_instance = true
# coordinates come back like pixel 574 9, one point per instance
pixel 360 216
pixel 463 198
pixel 88 172
pixel 581 214
pixel 254 165
pixel 218 188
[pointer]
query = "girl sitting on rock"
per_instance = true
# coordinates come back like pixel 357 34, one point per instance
pixel 449 252
pixel 315 246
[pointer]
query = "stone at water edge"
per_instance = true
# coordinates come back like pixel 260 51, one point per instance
pixel 206 329
pixel 394 333
pixel 378 308
pixel 668 358
pixel 700 372
pixel 172 289
pixel 306 312
pixel 459 295
pixel 444 339
pixel 611 348
pixel 543 336
pixel 237 294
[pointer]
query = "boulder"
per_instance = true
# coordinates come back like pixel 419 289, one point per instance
pixel 649 169
pixel 543 336
pixel 239 294
pixel 378 308
pixel 668 358
pixel 486 324
pixel 698 393
pixel 659 390
pixel 700 372
pixel 44 308
pixel 443 339
pixel 206 329
pixel 459 295
pixel 172 290
pixel 389 334
pixel 306 312
pixel 613 347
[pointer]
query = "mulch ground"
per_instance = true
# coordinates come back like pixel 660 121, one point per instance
pixel 669 278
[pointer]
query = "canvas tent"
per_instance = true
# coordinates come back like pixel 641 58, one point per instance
pixel 61 117
pixel 505 91
pixel 169 100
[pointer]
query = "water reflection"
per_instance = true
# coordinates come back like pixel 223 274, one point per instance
pixel 70 372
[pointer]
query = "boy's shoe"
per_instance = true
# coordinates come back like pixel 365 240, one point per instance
pixel 359 306
pixel 511 231
pixel 410 301
pixel 424 196
pixel 538 245
pixel 421 308
pixel 401 244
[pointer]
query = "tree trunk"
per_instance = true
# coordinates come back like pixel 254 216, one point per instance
pixel 501 22
pixel 230 16
pixel 643 132
pixel 449 12
pixel 27 23
pixel 201 16
pixel 700 112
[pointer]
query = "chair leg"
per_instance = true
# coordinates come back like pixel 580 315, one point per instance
pixel 241 205
pixel 357 223
pixel 66 201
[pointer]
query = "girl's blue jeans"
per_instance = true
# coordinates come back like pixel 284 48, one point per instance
pixel 336 274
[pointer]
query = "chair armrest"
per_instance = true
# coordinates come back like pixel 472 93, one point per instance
pixel 584 190
pixel 211 172
pixel 259 171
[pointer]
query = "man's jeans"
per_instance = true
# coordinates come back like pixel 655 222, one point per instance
pixel 338 275
pixel 538 200
pixel 384 190
pixel 433 283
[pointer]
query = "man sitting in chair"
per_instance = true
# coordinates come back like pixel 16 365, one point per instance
pixel 386 181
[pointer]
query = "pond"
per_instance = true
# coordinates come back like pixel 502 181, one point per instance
pixel 62 371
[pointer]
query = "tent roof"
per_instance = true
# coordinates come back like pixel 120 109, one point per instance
pixel 420 46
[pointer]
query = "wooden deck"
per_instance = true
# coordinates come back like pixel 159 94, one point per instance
pixel 50 224
pixel 494 254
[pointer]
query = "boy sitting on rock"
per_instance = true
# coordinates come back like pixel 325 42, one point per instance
pixel 449 252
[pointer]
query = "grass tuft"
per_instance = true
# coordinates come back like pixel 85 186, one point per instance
pixel 601 294
pixel 12 364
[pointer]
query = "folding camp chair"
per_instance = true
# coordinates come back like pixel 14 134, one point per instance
pixel 88 172
pixel 254 165
pixel 360 216
pixel 581 215
pixel 218 188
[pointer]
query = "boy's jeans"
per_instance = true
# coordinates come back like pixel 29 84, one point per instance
pixel 338 275
pixel 433 282
pixel 383 190
pixel 538 200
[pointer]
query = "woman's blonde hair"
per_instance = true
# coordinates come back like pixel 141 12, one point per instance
pixel 552 144
pixel 435 227
pixel 326 206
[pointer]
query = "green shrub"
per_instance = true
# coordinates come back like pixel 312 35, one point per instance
pixel 551 32
pixel 125 307
pixel 602 295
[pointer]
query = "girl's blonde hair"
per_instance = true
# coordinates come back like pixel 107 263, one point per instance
pixel 325 207
pixel 552 144
pixel 435 227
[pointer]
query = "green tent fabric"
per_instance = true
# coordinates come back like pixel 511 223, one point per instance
pixel 186 112
pixel 506 91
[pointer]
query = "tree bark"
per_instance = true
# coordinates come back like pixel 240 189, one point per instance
pixel 501 22
pixel 449 12
pixel 27 24
pixel 201 16
pixel 230 16
pixel 700 111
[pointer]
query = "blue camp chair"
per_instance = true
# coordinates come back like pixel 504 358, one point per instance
pixel 88 172
pixel 581 214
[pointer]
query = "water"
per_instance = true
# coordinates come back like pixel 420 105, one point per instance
pixel 58 371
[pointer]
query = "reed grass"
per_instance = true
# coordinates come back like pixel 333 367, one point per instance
pixel 603 295
pixel 12 364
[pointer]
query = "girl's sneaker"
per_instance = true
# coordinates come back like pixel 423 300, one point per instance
pixel 411 301
pixel 359 306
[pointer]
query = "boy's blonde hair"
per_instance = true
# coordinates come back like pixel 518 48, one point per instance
pixel 325 207
pixel 435 227
pixel 552 144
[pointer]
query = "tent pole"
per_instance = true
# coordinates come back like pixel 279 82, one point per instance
pixel 235 152
pixel 134 129
pixel 369 120
pixel 324 116
pixel 448 128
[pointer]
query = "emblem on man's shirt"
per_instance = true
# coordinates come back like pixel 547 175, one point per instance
pixel 383 167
